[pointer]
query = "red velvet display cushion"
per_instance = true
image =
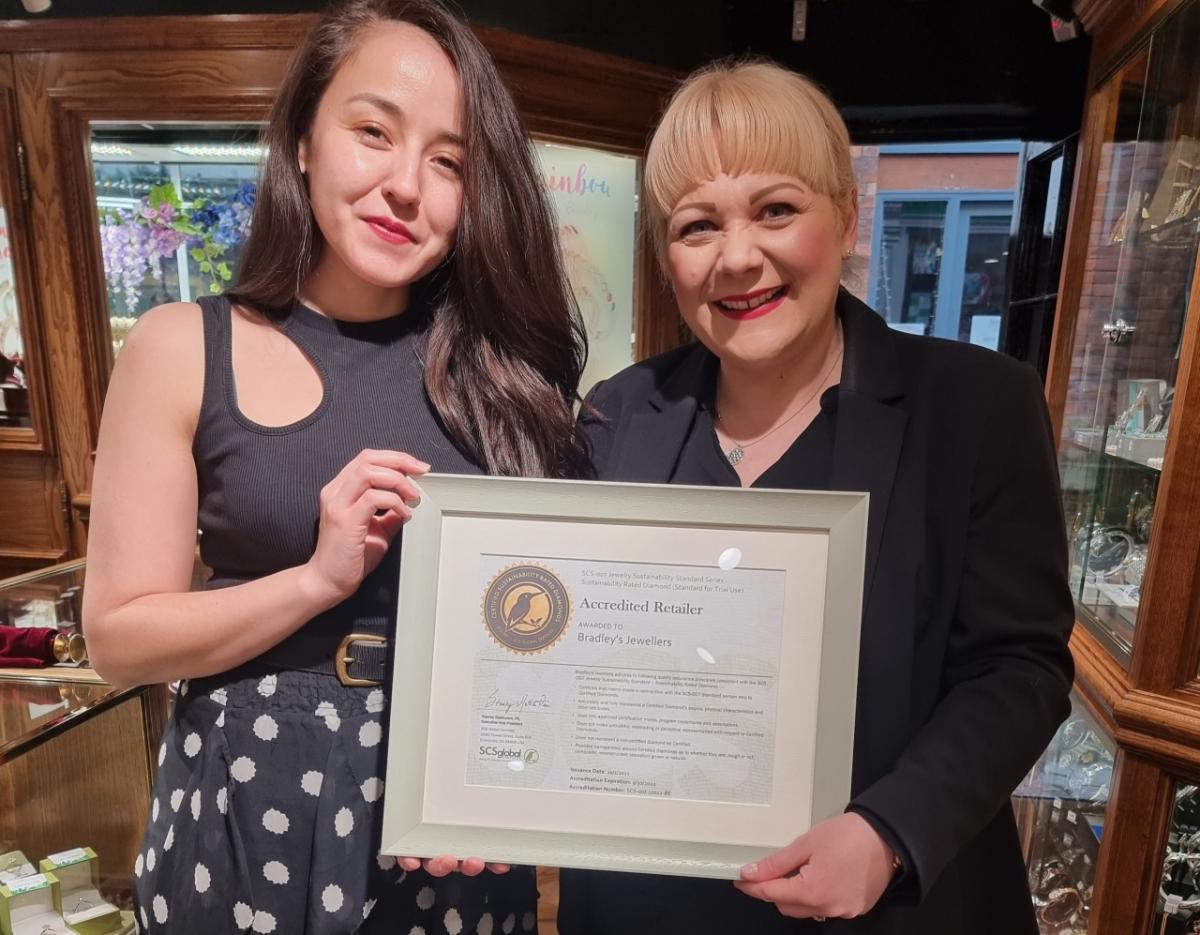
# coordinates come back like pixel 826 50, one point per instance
pixel 27 647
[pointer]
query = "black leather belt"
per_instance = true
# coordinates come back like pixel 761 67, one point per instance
pixel 360 659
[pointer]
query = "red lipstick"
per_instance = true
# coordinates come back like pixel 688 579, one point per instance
pixel 751 305
pixel 390 230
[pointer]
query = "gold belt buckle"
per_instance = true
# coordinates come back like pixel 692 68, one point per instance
pixel 343 658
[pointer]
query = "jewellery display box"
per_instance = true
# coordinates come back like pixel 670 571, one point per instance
pixel 77 897
pixel 27 907
pixel 14 865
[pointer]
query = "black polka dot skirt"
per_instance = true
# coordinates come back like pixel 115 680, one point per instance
pixel 266 818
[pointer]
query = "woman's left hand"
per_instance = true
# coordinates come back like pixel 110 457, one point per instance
pixel 839 869
pixel 446 864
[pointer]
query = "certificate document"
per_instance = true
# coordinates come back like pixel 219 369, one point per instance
pixel 622 676
pixel 603 677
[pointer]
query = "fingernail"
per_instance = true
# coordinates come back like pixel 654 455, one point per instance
pixel 749 870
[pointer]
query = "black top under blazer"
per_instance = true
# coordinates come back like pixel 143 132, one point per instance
pixel 964 670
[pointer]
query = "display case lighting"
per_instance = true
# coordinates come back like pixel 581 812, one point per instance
pixel 110 149
pixel 229 151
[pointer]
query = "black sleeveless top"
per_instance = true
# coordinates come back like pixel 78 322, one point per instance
pixel 259 485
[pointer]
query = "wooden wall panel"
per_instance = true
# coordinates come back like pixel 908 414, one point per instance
pixel 59 94
pixel 31 517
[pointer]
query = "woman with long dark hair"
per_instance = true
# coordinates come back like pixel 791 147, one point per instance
pixel 399 306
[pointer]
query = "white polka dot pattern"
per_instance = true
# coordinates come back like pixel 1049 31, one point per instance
pixel 332 898
pixel 265 727
pixel 311 781
pixel 370 734
pixel 275 821
pixel 243 769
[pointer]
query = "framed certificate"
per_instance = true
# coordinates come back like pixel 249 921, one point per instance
pixel 622 676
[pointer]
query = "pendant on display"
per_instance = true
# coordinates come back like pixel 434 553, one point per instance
pixel 735 454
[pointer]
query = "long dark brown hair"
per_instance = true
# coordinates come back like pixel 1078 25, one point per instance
pixel 506 345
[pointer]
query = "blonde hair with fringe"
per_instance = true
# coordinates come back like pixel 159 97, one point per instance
pixel 745 116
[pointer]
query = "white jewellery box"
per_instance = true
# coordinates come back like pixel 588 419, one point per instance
pixel 27 906
pixel 78 896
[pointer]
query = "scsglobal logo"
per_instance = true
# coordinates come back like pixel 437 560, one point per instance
pixel 500 753
pixel 509 754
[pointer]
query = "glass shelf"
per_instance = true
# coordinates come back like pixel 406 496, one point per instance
pixel 1061 809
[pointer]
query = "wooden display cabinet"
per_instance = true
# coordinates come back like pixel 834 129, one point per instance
pixel 1124 393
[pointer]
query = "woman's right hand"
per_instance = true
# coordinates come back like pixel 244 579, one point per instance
pixel 362 509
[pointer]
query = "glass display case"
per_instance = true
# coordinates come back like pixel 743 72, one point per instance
pixel 174 204
pixel 1178 898
pixel 1137 279
pixel 1061 809
pixel 76 772
pixel 52 598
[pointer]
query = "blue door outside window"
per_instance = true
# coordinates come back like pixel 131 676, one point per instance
pixel 940 261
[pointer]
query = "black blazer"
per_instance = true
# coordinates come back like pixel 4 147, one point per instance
pixel 964 670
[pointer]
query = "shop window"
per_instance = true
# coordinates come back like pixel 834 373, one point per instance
pixel 941 263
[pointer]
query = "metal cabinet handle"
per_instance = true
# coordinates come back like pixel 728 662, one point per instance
pixel 1117 332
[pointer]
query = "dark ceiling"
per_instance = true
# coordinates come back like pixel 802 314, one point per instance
pixel 901 70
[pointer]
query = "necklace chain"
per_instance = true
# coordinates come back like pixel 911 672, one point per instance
pixel 738 451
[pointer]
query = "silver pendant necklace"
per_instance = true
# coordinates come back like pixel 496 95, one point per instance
pixel 737 453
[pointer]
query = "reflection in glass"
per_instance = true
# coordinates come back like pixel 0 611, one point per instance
pixel 1060 809
pixel 14 380
pixel 1178 905
pixel 174 206
pixel 910 262
pixel 984 276
pixel 1142 245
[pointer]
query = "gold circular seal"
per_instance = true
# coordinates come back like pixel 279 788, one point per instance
pixel 526 608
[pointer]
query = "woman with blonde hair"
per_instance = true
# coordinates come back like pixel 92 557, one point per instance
pixel 964 670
